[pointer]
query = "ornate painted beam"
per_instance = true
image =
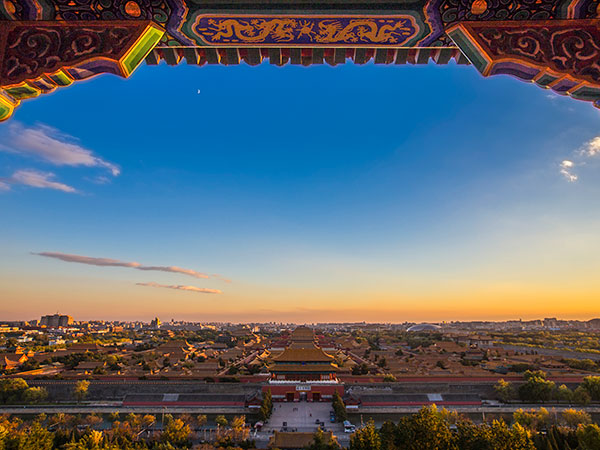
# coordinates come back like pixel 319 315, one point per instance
pixel 562 55
pixel 45 44
pixel 37 57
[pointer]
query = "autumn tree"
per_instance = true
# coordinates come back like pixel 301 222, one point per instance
pixel 581 396
pixel 320 442
pixel 12 389
pixel 221 421
pixel 81 390
pixel 589 437
pixel 36 437
pixel 365 438
pixel 592 385
pixel 426 429
pixel 35 395
pixel 504 390
pixel 573 418
pixel 534 419
pixel 177 433
pixel 536 388
pixel 564 394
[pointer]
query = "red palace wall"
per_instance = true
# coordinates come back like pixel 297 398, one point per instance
pixel 293 392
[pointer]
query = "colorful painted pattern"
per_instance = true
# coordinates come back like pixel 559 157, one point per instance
pixel 320 30
pixel 36 58
pixel 45 44
pixel 559 55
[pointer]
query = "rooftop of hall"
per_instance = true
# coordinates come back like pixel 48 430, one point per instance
pixel 321 368
pixel 310 354
pixel 302 333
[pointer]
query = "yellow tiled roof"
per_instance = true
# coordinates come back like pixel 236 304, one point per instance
pixel 303 354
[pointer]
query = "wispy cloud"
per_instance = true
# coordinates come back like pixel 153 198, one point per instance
pixel 221 277
pixel 182 288
pixel 34 178
pixel 591 148
pixel 107 262
pixel 47 143
pixel 566 168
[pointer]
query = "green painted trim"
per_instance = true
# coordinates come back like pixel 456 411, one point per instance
pixel 545 80
pixel 587 93
pixel 21 92
pixel 6 109
pixel 136 55
pixel 61 79
pixel 463 42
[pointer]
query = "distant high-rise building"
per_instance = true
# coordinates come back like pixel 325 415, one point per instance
pixel 155 323
pixel 56 321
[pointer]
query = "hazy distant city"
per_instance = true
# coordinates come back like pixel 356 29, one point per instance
pixel 283 385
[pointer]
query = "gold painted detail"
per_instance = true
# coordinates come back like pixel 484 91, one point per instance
pixel 307 30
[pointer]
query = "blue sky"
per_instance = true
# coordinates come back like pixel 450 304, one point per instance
pixel 355 192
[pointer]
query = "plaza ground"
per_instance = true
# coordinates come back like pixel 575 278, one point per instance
pixel 301 416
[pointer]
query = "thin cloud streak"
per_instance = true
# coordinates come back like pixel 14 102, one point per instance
pixel 34 178
pixel 566 170
pixel 181 288
pixel 47 143
pixel 107 262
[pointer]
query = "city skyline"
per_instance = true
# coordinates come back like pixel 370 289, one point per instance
pixel 349 197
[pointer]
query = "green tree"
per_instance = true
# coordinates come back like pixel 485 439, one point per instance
pixel 387 434
pixel 201 420
pixel 365 438
pixel 514 438
pixel 12 389
pixel 221 421
pixel 581 396
pixel 36 437
pixel 564 394
pixel 537 388
pixel 473 437
pixel 339 407
pixel 592 386
pixel 320 442
pixel 266 407
pixel 80 391
pixel 589 437
pixel 504 390
pixel 426 429
pixel 35 395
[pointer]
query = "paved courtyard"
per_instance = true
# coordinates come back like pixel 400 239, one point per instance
pixel 301 416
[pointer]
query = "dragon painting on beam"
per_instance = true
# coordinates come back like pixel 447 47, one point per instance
pixel 47 44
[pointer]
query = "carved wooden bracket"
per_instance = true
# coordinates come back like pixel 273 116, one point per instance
pixel 562 55
pixel 37 57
